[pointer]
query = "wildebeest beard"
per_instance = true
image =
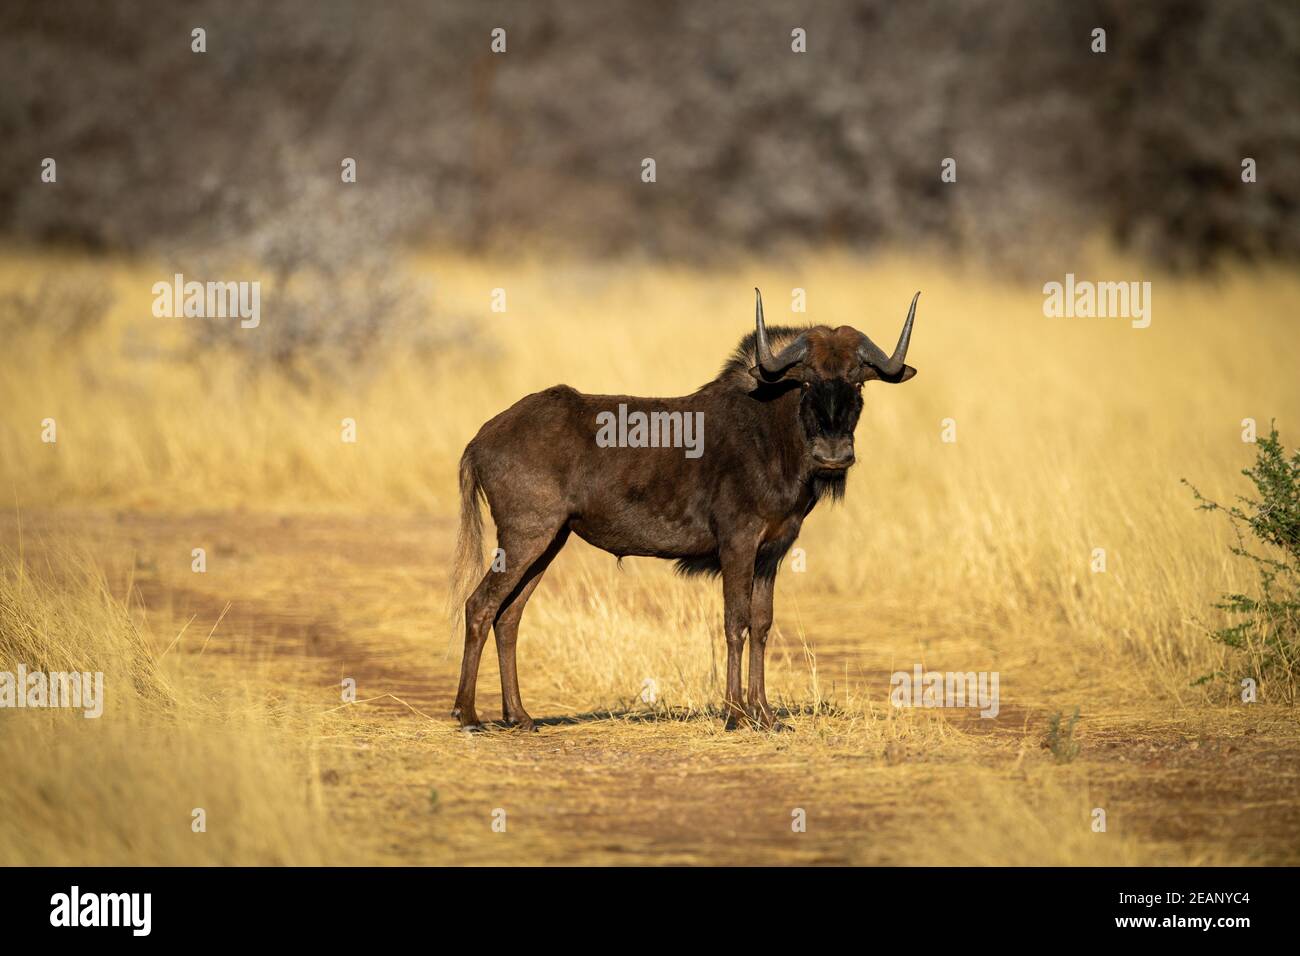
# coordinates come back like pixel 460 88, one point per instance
pixel 830 484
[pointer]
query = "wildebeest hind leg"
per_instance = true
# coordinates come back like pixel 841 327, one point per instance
pixel 518 551
pixel 507 634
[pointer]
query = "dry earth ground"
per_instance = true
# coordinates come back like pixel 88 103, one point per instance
pixel 290 605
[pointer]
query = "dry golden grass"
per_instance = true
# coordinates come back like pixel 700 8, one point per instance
pixel 1072 434
pixel 121 787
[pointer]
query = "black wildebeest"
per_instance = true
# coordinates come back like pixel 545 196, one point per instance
pixel 779 421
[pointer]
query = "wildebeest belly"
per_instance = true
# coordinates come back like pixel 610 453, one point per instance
pixel 642 502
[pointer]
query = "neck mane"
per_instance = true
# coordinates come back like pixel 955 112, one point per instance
pixel 735 370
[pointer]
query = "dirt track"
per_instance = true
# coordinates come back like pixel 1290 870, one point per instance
pixel 312 599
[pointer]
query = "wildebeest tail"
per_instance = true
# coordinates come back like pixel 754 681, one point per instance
pixel 467 566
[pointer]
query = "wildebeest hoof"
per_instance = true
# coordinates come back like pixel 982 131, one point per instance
pixel 524 723
pixel 734 721
pixel 764 719
pixel 468 719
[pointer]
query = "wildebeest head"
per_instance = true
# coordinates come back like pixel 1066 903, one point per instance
pixel 830 367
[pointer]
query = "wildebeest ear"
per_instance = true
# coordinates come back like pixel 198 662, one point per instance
pixel 870 374
pixel 795 373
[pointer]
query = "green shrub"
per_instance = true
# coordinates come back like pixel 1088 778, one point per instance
pixel 1266 624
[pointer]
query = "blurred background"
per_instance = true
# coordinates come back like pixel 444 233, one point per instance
pixel 522 172
pixel 757 148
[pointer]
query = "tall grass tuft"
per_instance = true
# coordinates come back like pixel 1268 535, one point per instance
pixel 65 619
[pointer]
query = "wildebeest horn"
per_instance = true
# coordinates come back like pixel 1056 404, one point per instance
pixel 774 366
pixel 891 367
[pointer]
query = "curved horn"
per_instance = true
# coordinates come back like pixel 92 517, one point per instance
pixel 774 366
pixel 893 364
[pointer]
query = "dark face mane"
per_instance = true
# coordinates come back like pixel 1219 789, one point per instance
pixel 829 411
pixel 830 386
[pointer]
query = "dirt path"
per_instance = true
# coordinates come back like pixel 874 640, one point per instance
pixel 290 605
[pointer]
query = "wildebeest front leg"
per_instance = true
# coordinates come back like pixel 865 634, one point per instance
pixel 737 595
pixel 760 621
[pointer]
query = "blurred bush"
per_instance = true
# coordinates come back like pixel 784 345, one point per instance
pixel 60 309
pixel 334 293
pixel 756 146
